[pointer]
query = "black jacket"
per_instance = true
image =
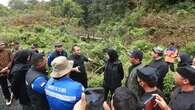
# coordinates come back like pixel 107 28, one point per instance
pixel 38 101
pixel 113 74
pixel 82 75
pixel 19 68
pixel 18 85
pixel 181 100
pixel 162 68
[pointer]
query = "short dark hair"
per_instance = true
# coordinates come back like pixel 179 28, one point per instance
pixel 188 73
pixel 124 99
pixel 16 43
pixel 37 58
pixel 172 43
pixel 74 46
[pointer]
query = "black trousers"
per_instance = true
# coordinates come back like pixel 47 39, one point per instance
pixel 107 90
pixel 4 87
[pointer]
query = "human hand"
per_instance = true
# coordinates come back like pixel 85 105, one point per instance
pixel 4 70
pixel 106 106
pixel 161 102
pixel 81 104
pixel 76 69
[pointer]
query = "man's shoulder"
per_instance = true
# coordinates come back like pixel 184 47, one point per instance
pixel 134 70
pixel 6 51
pixel 76 85
pixel 34 73
pixel 53 53
pixel 139 66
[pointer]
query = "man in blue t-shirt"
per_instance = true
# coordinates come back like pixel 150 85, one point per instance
pixel 61 91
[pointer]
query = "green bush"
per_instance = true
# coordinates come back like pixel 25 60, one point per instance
pixel 137 31
pixel 190 48
pixel 95 80
pixel 142 44
pixel 168 85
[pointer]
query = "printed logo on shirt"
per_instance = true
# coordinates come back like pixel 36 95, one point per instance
pixel 60 96
pixel 58 89
pixel 42 84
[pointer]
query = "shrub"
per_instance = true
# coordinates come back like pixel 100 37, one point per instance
pixel 95 80
pixel 137 31
pixel 190 48
pixel 168 85
pixel 142 44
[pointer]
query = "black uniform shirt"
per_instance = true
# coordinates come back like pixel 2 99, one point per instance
pixel 181 100
pixel 162 68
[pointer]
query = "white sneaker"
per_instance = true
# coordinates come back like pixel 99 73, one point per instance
pixel 9 102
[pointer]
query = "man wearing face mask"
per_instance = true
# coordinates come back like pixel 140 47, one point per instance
pixel 36 80
pixel 79 60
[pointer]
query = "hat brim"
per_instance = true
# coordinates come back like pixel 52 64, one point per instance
pixel 60 73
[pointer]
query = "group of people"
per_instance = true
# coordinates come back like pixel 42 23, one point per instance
pixel 63 88
pixel 30 83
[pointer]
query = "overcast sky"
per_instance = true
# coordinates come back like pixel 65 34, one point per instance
pixel 5 2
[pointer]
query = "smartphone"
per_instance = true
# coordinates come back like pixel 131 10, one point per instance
pixel 151 104
pixel 95 98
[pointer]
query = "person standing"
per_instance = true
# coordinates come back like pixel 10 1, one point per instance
pixel 135 58
pixel 34 48
pixel 5 63
pixel 15 47
pixel 61 91
pixel 193 62
pixel 158 63
pixel 182 97
pixel 170 56
pixel 79 60
pixel 36 79
pixel 20 66
pixel 147 78
pixel 184 59
pixel 113 72
pixel 58 52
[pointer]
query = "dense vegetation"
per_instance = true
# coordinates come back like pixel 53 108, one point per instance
pixel 98 24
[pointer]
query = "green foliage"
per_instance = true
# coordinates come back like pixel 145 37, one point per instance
pixel 95 80
pixel 72 9
pixel 4 11
pixel 112 20
pixel 17 4
pixel 137 31
pixel 133 17
pixel 190 48
pixel 142 44
pixel 64 8
pixel 168 85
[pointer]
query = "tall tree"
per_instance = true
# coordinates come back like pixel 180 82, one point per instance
pixel 17 4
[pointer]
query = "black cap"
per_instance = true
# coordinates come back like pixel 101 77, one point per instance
pixel 36 57
pixel 187 72
pixel 136 54
pixel 148 74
